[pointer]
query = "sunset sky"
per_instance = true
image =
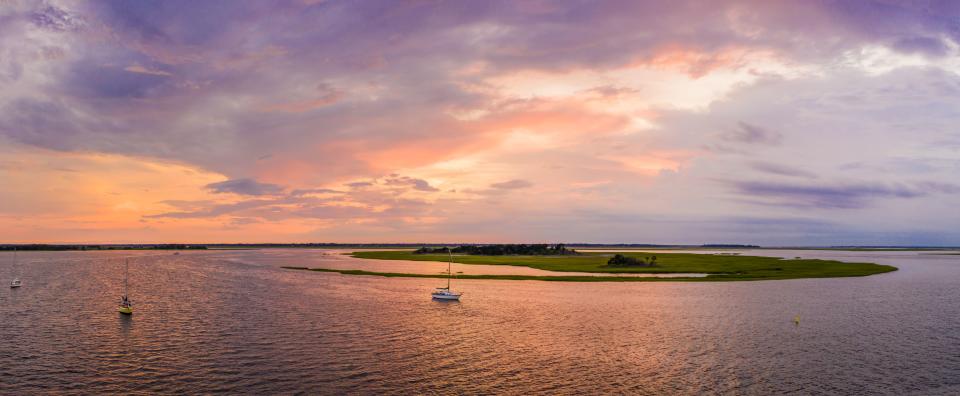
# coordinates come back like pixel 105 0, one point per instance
pixel 763 122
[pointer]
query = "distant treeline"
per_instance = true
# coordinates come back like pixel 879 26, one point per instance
pixel 650 245
pixel 318 245
pixel 461 246
pixel 503 250
pixel 43 247
pixel 728 246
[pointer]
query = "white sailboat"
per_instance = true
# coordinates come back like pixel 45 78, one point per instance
pixel 444 293
pixel 16 280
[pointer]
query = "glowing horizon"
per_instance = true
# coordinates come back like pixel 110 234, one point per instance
pixel 773 123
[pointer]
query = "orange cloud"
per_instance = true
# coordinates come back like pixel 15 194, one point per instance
pixel 697 62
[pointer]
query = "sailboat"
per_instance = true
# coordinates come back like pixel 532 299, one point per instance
pixel 126 306
pixel 444 293
pixel 16 280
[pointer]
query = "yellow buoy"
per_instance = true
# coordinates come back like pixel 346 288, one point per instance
pixel 796 320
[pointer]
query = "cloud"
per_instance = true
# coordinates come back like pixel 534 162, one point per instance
pixel 143 70
pixel 57 19
pixel 922 45
pixel 781 170
pixel 187 205
pixel 752 134
pixel 304 105
pixel 512 185
pixel 833 196
pixel 370 205
pixel 416 184
pixel 215 210
pixel 309 191
pixel 327 96
pixel 245 187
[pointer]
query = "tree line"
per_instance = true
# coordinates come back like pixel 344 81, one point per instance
pixel 503 250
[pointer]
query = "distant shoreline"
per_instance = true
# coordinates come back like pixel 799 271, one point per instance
pixel 587 247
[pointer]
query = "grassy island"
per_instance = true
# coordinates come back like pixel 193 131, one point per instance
pixel 718 267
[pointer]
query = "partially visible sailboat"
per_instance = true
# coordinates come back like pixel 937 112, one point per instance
pixel 15 283
pixel 126 306
pixel 444 293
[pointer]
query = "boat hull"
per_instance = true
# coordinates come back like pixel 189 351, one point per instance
pixel 446 296
pixel 125 310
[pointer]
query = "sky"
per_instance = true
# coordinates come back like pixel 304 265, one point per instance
pixel 755 122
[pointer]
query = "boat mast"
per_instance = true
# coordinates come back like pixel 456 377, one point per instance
pixel 449 271
pixel 126 272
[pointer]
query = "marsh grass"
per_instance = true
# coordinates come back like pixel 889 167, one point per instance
pixel 718 267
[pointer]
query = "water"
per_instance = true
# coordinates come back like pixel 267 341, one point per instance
pixel 233 322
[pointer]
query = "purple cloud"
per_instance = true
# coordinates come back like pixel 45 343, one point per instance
pixel 752 134
pixel 922 45
pixel 53 18
pixel 781 170
pixel 300 192
pixel 832 196
pixel 245 187
pixel 416 184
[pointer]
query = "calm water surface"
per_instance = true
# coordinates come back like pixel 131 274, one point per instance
pixel 233 322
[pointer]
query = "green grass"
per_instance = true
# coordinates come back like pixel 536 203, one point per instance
pixel 720 267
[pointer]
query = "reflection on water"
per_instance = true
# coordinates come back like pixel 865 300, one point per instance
pixel 232 321
pixel 126 324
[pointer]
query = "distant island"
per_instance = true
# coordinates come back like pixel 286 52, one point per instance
pixel 503 250
pixel 717 268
